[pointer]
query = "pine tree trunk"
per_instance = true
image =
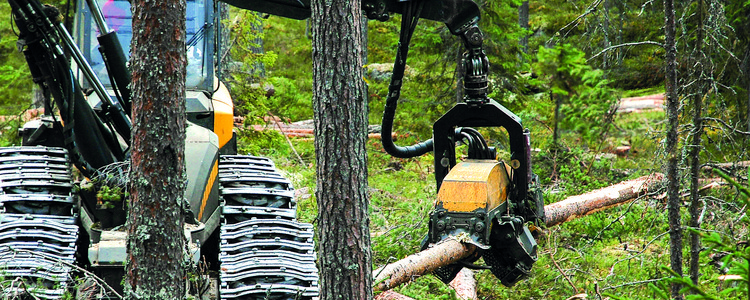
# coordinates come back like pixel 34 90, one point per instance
pixel 340 114
pixel 672 153
pixel 695 146
pixel 156 243
pixel 523 21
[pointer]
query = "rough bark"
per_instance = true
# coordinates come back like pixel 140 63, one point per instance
pixel 672 153
pixel 588 203
pixel 340 117
pixel 523 21
pixel 444 253
pixel 155 235
pixel 695 146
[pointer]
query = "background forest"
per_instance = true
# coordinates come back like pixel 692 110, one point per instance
pixel 563 69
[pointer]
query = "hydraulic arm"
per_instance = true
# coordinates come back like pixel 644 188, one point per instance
pixel 94 139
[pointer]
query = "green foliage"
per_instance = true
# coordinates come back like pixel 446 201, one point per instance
pixel 108 196
pixel 9 131
pixel 288 100
pixel 15 79
pixel 587 98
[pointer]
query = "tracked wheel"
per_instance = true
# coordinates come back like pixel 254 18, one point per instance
pixel 265 253
pixel 38 226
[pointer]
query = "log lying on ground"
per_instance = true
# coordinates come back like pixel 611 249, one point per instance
pixel 447 252
pixel 465 285
pixel 391 295
pixel 452 250
pixel 591 202
pixel 728 166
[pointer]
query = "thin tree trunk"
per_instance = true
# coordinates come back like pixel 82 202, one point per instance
pixel 558 102
pixel 672 153
pixel 523 21
pixel 340 114
pixel 607 41
pixel 695 148
pixel 156 243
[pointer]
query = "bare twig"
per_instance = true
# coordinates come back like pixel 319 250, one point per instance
pixel 552 256
pixel 633 283
pixel 275 121
pixel 625 45
pixel 591 9
pixel 725 124
pixel 87 272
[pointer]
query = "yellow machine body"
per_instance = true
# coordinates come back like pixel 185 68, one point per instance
pixel 474 184
pixel 223 114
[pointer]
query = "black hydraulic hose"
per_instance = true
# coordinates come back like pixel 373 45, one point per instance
pixel 408 24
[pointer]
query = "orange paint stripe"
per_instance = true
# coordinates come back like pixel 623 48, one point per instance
pixel 209 186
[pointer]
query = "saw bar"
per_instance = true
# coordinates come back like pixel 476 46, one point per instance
pixel 265 253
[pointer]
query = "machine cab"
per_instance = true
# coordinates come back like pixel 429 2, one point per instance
pixel 200 30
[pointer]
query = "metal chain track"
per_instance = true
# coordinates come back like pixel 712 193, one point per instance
pixel 265 253
pixel 38 229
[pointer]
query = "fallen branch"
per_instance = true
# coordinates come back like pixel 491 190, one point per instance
pixel 588 203
pixel 446 252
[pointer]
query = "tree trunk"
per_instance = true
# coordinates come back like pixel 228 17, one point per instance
pixel 156 242
pixel 672 153
pixel 523 21
pixel 605 30
pixel 701 68
pixel 340 113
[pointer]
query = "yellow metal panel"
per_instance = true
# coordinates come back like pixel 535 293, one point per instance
pixel 474 184
pixel 223 114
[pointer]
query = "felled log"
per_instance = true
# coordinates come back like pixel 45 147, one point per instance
pixel 447 252
pixel 591 202
pixel 391 295
pixel 452 250
pixel 465 285
pixel 728 166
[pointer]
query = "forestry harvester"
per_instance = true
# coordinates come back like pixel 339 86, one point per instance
pixel 241 212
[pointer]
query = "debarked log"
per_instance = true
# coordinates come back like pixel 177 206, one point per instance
pixel 391 295
pixel 446 252
pixel 591 202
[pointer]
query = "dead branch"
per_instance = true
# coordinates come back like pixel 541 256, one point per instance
pixel 444 253
pixel 465 285
pixel 588 203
